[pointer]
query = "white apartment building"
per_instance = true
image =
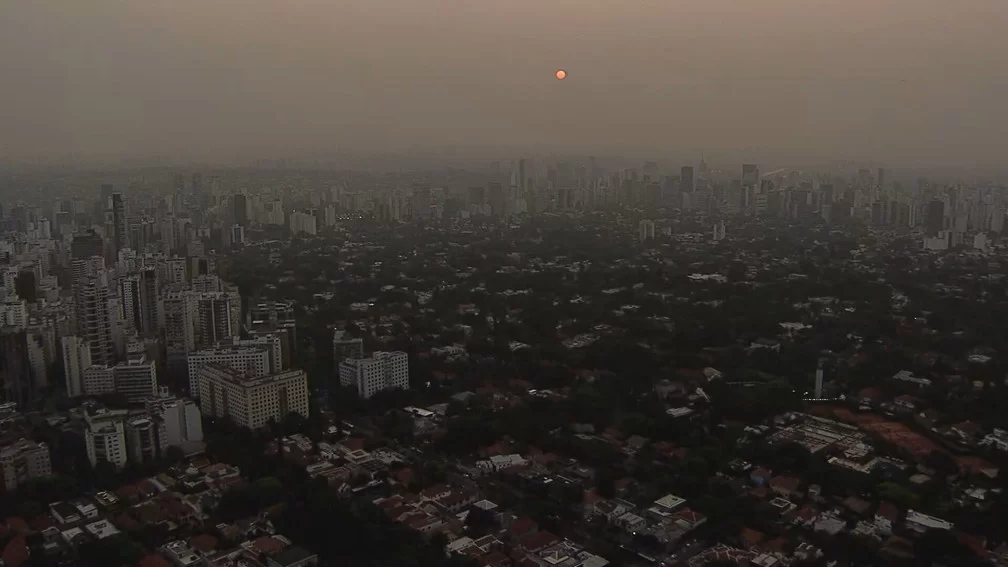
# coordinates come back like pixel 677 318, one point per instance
pixel 252 401
pixel 270 342
pixel 136 378
pixel 180 420
pixel 105 438
pixel 76 360
pixel 23 461
pixel 382 371
pixel 250 360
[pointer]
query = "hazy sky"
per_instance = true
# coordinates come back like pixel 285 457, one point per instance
pixel 906 81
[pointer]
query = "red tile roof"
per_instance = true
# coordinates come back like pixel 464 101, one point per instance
pixel 522 526
pixel 15 552
pixel 204 542
pixel 153 561
pixel 538 540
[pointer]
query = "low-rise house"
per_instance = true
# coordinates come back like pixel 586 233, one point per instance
pixel 785 486
pixel 886 517
pixel 921 523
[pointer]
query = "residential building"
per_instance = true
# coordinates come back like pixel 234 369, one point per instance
pixel 143 443
pixel 23 461
pixel 105 438
pixel 252 401
pixel 249 360
pixel 382 371
pixel 76 360
pixel 136 378
pixel 179 420
pixel 346 347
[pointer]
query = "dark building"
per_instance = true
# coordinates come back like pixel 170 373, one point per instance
pixel 197 183
pixel 25 285
pixel 240 210
pixel 86 245
pixel 120 233
pixel 15 366
pixel 935 217
pixel 106 195
pixel 686 180
pixel 179 182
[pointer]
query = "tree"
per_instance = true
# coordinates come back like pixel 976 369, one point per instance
pixel 174 454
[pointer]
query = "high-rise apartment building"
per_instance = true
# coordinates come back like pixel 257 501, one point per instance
pixel 687 183
pixel 179 420
pixel 253 361
pixel 178 310
pixel 346 347
pixel 381 371
pixel 240 206
pixel 22 462
pixel 105 438
pixel 76 360
pixel 143 440
pixel 252 402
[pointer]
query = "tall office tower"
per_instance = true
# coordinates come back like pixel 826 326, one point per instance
pixel 881 178
pixel 129 300
pixel 935 217
pixel 197 183
pixel 105 438
pixel 346 347
pixel 252 402
pixel 645 230
pixel 15 367
pixel 106 195
pixel 179 323
pixel 149 290
pixel 87 244
pixel 421 202
pixel 218 318
pixel 497 198
pixel 248 360
pixel 240 205
pixel 76 360
pixel 22 462
pixel 819 380
pixel 522 175
pixel 179 182
pixel 382 371
pixel 119 232
pixel 94 321
pixel 135 378
pixel 687 183
pixel 143 440
pixel 750 175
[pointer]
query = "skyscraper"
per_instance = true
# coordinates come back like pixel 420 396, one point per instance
pixel 179 182
pixel 197 183
pixel 76 359
pixel 86 245
pixel 686 181
pixel 750 175
pixel 240 210
pixel 120 235
pixel 15 366
pixel 935 217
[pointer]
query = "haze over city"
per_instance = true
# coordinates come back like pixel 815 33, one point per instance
pixel 906 82
pixel 527 283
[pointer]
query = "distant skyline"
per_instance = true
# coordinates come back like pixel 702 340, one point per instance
pixel 901 82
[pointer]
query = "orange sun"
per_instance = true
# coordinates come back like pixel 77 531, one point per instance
pixel 561 74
